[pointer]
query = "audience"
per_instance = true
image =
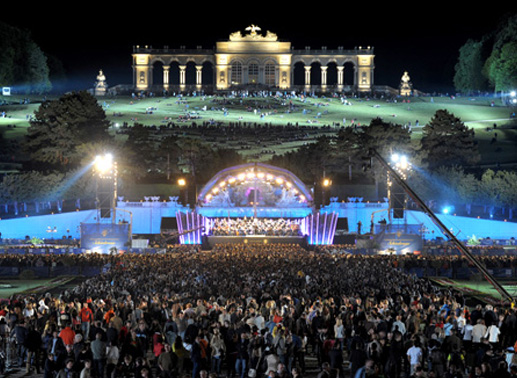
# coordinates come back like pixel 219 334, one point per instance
pixel 258 310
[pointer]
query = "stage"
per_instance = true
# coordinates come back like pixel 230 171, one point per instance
pixel 254 239
pixel 258 203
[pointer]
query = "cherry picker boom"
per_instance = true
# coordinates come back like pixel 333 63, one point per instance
pixel 461 247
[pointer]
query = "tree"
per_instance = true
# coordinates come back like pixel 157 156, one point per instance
pixel 22 63
pixel 60 126
pixel 36 70
pixel 32 186
pixel 347 149
pixel 469 76
pixel 386 138
pixel 138 152
pixel 498 190
pixel 502 67
pixel 310 161
pixel 446 141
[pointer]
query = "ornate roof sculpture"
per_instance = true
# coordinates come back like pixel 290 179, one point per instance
pixel 253 35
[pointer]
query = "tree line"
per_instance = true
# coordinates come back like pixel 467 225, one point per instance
pixel 24 66
pixel 489 63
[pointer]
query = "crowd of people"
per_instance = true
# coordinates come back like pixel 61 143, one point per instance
pixel 254 226
pixel 256 310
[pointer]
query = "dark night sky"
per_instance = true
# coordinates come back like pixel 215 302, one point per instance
pixel 422 39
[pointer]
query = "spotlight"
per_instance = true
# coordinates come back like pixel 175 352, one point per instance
pixel 447 209
pixel 103 163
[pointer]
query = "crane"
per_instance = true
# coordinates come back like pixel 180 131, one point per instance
pixel 459 245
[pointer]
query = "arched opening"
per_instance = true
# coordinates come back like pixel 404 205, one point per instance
pixel 174 74
pixel 299 73
pixel 348 72
pixel 190 73
pixel 207 74
pixel 316 73
pixel 157 73
pixel 332 73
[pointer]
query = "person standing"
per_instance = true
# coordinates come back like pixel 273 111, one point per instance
pixel 21 332
pixel 167 362
pixel 241 363
pixel 415 357
pixel 98 348
pixel 34 343
pixel 196 357
pixel 86 316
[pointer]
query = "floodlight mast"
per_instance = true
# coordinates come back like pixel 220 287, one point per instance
pixel 464 250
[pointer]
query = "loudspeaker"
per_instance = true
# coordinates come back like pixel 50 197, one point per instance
pixel 105 197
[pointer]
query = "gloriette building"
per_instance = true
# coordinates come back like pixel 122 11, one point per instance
pixel 253 60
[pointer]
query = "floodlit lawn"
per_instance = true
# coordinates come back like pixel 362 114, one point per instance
pixel 9 287
pixel 316 112
pixel 487 289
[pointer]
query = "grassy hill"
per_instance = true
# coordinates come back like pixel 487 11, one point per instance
pixel 317 116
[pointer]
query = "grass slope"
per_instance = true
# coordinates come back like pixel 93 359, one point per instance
pixel 477 112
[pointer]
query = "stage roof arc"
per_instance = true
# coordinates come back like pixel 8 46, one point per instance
pixel 249 174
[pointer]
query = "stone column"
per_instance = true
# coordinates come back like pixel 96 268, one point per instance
pixel 199 76
pixel 324 75
pixel 307 76
pixel 183 70
pixel 340 75
pixel 166 77
pixel 324 78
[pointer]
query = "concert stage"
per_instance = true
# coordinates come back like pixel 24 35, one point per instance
pixel 211 241
pixel 256 201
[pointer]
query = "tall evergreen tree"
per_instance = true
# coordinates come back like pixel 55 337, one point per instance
pixel 502 67
pixel 22 63
pixel 469 76
pixel 60 126
pixel 447 141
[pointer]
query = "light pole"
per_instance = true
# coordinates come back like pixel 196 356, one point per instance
pixel 396 194
pixel 325 186
pixel 106 174
pixel 182 183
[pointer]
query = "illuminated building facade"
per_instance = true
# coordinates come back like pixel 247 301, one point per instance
pixel 253 59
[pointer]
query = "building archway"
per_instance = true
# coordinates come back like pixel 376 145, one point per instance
pixel 349 74
pixel 299 74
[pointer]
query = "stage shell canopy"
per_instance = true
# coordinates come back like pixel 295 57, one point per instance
pixel 255 185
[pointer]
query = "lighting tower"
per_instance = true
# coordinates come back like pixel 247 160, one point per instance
pixel 106 186
pixel 396 194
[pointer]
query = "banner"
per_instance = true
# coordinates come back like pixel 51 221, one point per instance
pixel 400 242
pixel 104 237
